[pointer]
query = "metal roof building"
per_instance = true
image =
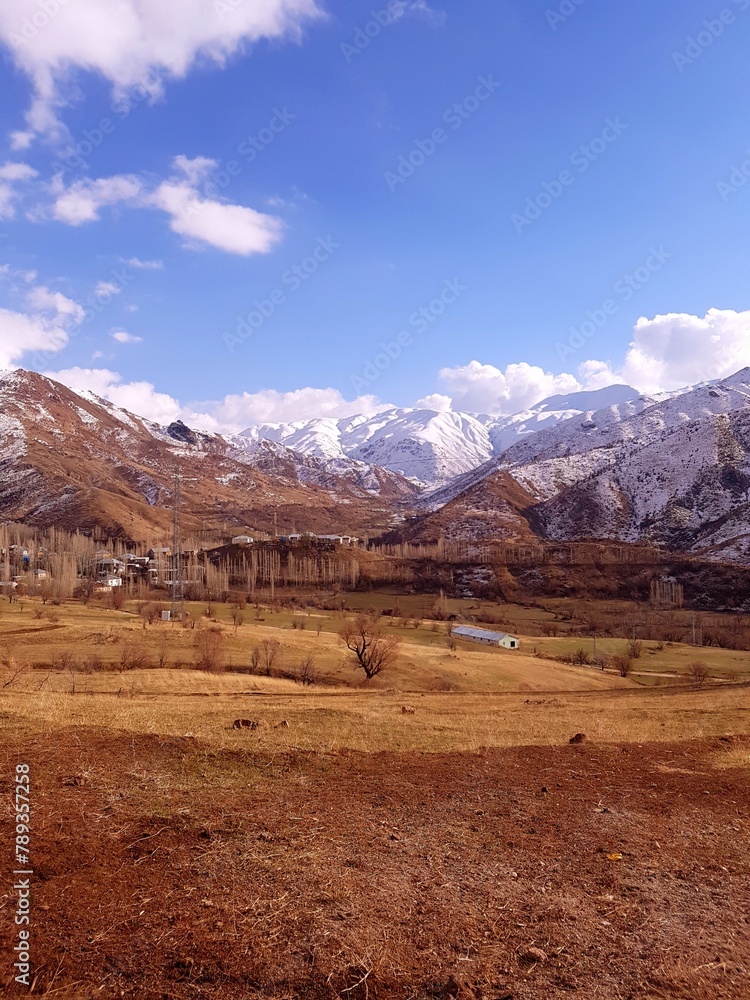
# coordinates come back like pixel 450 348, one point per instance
pixel 485 636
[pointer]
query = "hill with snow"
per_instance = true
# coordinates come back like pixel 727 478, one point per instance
pixel 430 447
pixel 675 472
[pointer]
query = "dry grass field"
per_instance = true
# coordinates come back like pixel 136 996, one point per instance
pixel 345 848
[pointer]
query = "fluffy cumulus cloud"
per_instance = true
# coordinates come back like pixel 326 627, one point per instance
pixel 188 199
pixel 678 349
pixel 43 325
pixel 132 42
pixel 481 388
pixel 83 201
pixel 123 337
pixel 230 415
pixel 140 398
pixel 667 352
pixel 205 220
pixel 235 413
pixel 22 332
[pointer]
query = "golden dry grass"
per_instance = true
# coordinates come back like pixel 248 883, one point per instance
pixel 472 698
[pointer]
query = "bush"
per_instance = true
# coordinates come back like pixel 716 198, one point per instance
pixel 623 665
pixel 133 657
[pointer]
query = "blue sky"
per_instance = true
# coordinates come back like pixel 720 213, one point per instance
pixel 632 127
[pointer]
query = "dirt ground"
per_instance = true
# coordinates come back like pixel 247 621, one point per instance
pixel 169 868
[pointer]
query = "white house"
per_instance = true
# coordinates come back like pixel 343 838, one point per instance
pixel 485 636
pixel 242 540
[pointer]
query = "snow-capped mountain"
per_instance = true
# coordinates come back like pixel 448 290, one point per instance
pixel 77 461
pixel 431 447
pixel 674 472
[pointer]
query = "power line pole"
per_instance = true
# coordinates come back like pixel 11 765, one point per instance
pixel 176 548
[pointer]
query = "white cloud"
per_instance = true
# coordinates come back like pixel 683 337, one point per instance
pixel 123 337
pixel 84 199
pixel 140 398
pixel 235 413
pixel 21 140
pixel 20 333
pixel 435 401
pixel 104 288
pixel 133 42
pixel 42 300
pixel 204 221
pixel 42 326
pixel 10 175
pixel 677 349
pixel 233 228
pixel 420 8
pixel 144 265
pixel 667 352
pixel 479 388
pixel 230 415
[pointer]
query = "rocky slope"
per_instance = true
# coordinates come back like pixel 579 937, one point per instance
pixel 431 447
pixel 76 461
pixel 675 473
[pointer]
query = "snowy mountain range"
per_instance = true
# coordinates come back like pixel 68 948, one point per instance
pixel 673 470
pixel 431 447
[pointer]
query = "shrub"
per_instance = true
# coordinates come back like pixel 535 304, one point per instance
pixel 133 657
pixel 623 665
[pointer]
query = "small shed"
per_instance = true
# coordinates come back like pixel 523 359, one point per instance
pixel 485 636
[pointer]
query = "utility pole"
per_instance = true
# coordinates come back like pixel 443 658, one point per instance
pixel 176 548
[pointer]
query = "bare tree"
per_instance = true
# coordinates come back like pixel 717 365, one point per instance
pixel 238 618
pixel 269 651
pixel 698 672
pixel 635 648
pixel 307 673
pixel 208 645
pixel 374 651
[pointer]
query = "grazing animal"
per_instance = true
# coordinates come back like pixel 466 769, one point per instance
pixel 244 724
pixel 578 738
pixel 408 710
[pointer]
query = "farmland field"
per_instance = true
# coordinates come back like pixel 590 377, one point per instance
pixel 344 847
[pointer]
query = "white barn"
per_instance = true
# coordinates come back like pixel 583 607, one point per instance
pixel 485 636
